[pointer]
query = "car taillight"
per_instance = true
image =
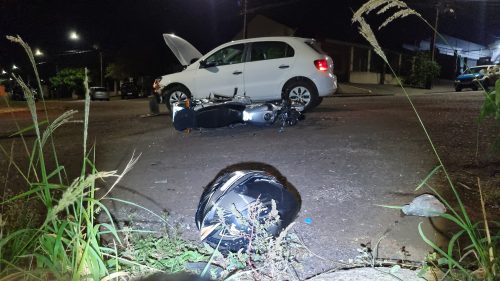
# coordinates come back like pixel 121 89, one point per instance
pixel 321 65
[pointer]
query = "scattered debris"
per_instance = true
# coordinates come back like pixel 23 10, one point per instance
pixel 162 181
pixel 425 205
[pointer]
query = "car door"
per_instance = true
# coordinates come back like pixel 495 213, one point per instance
pixel 267 68
pixel 221 73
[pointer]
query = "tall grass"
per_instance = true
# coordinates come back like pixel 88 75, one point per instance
pixel 66 243
pixel 482 243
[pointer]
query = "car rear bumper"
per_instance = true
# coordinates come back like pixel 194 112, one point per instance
pixel 101 96
pixel 465 84
pixel 326 85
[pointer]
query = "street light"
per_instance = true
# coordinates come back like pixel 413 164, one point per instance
pixel 4 72
pixel 14 67
pixel 38 53
pixel 74 36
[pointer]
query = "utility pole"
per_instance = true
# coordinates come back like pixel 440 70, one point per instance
pixel 245 11
pixel 433 43
pixel 100 61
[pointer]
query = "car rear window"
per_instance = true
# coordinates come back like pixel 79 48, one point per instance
pixel 99 89
pixel 315 46
pixel 269 50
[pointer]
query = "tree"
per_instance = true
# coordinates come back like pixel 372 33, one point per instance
pixel 117 71
pixel 68 81
pixel 424 70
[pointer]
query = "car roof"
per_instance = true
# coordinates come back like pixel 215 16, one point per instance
pixel 272 38
pixel 482 66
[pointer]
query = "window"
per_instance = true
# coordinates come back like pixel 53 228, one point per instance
pixel 360 59
pixel 271 50
pixel 229 55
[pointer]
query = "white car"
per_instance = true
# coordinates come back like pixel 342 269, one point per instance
pixel 263 69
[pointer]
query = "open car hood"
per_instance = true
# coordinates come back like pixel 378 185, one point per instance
pixel 182 49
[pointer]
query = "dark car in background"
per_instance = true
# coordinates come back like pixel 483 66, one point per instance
pixel 130 90
pixel 477 76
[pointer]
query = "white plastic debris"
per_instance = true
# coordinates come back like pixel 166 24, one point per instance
pixel 425 205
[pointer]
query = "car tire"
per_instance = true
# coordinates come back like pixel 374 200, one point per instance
pixel 175 94
pixel 319 100
pixel 302 92
pixel 474 87
pixel 458 88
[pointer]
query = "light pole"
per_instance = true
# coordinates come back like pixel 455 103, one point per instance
pixel 98 50
pixel 74 36
pixel 433 43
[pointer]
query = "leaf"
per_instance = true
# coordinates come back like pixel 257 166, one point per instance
pixel 29 128
pixel 424 181
pixel 497 91
pixel 391 206
pixel 442 261
pixel 423 271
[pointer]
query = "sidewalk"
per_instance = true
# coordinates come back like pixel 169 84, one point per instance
pixel 354 89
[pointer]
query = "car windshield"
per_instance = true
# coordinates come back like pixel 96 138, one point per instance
pixel 474 70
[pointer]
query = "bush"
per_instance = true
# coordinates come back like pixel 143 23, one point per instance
pixel 423 72
pixel 68 81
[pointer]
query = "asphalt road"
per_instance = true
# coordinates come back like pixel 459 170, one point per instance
pixel 346 157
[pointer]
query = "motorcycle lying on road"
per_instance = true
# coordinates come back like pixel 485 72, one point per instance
pixel 223 111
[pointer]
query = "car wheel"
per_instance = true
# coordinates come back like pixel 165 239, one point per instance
pixel 302 93
pixel 474 87
pixel 176 94
pixel 458 88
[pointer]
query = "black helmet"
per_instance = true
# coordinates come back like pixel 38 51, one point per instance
pixel 239 189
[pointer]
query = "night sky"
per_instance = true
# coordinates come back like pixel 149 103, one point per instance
pixel 132 29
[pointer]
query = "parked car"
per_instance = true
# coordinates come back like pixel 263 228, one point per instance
pixel 476 76
pixel 99 93
pixel 263 69
pixel 17 94
pixel 129 90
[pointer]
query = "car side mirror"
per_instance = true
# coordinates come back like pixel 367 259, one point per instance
pixel 205 64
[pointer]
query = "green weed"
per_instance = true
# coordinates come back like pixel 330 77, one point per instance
pixel 51 230
pixel 482 247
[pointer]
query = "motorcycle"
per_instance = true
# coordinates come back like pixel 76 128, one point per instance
pixel 221 111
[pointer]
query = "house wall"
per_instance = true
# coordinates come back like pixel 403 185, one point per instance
pixel 371 78
pixel 357 63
